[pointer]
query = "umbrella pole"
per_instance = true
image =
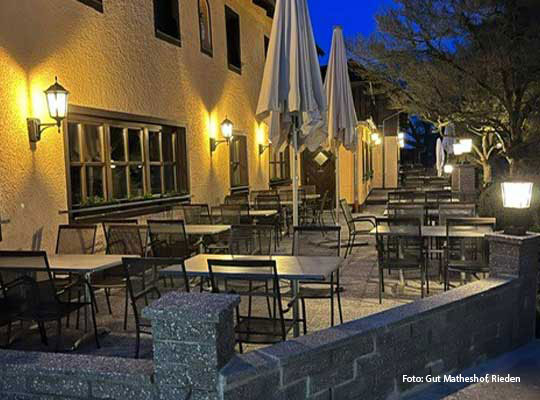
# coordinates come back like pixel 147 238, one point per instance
pixel 336 152
pixel 295 171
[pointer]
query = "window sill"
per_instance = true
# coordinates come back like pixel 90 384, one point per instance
pixel 168 38
pixel 239 189
pixel 209 53
pixel 95 4
pixel 280 182
pixel 133 207
pixel 236 69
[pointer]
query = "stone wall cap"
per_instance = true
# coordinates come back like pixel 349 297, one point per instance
pixel 503 237
pixel 193 306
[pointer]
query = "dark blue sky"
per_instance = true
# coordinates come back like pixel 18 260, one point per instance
pixel 356 16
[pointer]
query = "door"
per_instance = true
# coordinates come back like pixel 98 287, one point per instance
pixel 319 169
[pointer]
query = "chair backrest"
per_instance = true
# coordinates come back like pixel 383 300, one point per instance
pixel 268 202
pixel 465 239
pixel 76 239
pixel 323 201
pixel 231 214
pixel 240 199
pixel 254 193
pixel 287 194
pixel 438 196
pixel 124 238
pixel 168 238
pixel 108 222
pixel 455 210
pixel 18 296
pixel 408 211
pixel 397 238
pixel 347 213
pixel 196 214
pixel 316 240
pixel 35 261
pixel 251 239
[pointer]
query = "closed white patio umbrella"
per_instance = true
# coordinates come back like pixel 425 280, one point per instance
pixel 342 121
pixel 292 99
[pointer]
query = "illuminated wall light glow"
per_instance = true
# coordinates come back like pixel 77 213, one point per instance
pixel 466 145
pixel 448 169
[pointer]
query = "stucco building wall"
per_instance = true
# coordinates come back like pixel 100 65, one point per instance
pixel 113 61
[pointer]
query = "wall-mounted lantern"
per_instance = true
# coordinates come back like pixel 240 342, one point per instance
pixel 466 145
pixel 57 104
pixel 227 132
pixel 516 198
pixel 458 149
pixel 448 168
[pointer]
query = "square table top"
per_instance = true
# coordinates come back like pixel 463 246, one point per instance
pixel 208 229
pixel 75 263
pixel 288 267
pixel 252 213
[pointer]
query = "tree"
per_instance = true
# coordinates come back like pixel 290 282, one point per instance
pixel 472 62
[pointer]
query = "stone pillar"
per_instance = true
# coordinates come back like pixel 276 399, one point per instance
pixel 517 257
pixel 193 337
pixel 464 181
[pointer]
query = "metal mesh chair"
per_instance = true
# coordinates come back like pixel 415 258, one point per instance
pixel 438 196
pixel 466 251
pixel 271 202
pixel 13 301
pixel 408 210
pixel 318 241
pixel 455 210
pixel 76 239
pixel 231 214
pixel 253 328
pixel 42 300
pixel 168 239
pixel 141 275
pixel 197 214
pixel 251 239
pixel 353 229
pixel 400 246
pixel 254 193
pixel 238 199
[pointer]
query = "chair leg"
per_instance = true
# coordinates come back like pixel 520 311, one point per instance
pixel 304 314
pixel 43 333
pixel 126 301
pixel 137 340
pixel 332 301
pixel 340 309
pixel 58 334
pixel 107 298
pixel 268 305
pixel 381 284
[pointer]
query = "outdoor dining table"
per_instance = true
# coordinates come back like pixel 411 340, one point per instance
pixel 251 213
pixel 292 268
pixel 436 232
pixel 80 264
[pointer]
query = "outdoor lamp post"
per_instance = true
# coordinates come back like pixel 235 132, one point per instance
pixel 227 132
pixel 517 199
pixel 57 104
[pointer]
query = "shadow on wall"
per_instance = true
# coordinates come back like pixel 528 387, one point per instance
pixel 31 43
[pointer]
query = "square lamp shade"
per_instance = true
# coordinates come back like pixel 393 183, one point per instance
pixel 466 145
pixel 458 149
pixel 517 194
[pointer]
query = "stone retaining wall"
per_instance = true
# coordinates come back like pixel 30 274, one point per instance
pixel 363 359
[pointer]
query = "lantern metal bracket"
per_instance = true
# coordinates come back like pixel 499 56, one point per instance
pixel 263 147
pixel 36 128
pixel 214 143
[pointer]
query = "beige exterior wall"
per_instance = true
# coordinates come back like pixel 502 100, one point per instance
pixel 113 61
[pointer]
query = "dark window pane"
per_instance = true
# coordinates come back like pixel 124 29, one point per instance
pixel 155 179
pixel 76 189
pixel 153 144
pixel 119 183
pixel 134 145
pixel 166 17
pixel 94 184
pixel 74 143
pixel 169 172
pixel 205 26
pixel 232 26
pixel 136 177
pixel 92 143
pixel 167 143
pixel 266 45
pixel 117 144
pixel 181 160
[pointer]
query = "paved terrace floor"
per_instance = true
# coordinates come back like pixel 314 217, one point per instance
pixel 360 298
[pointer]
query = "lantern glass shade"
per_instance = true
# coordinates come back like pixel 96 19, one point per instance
pixel 448 169
pixel 375 136
pixel 458 149
pixel 227 128
pixel 466 145
pixel 57 101
pixel 517 194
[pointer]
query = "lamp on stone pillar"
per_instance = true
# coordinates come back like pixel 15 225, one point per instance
pixel 516 196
